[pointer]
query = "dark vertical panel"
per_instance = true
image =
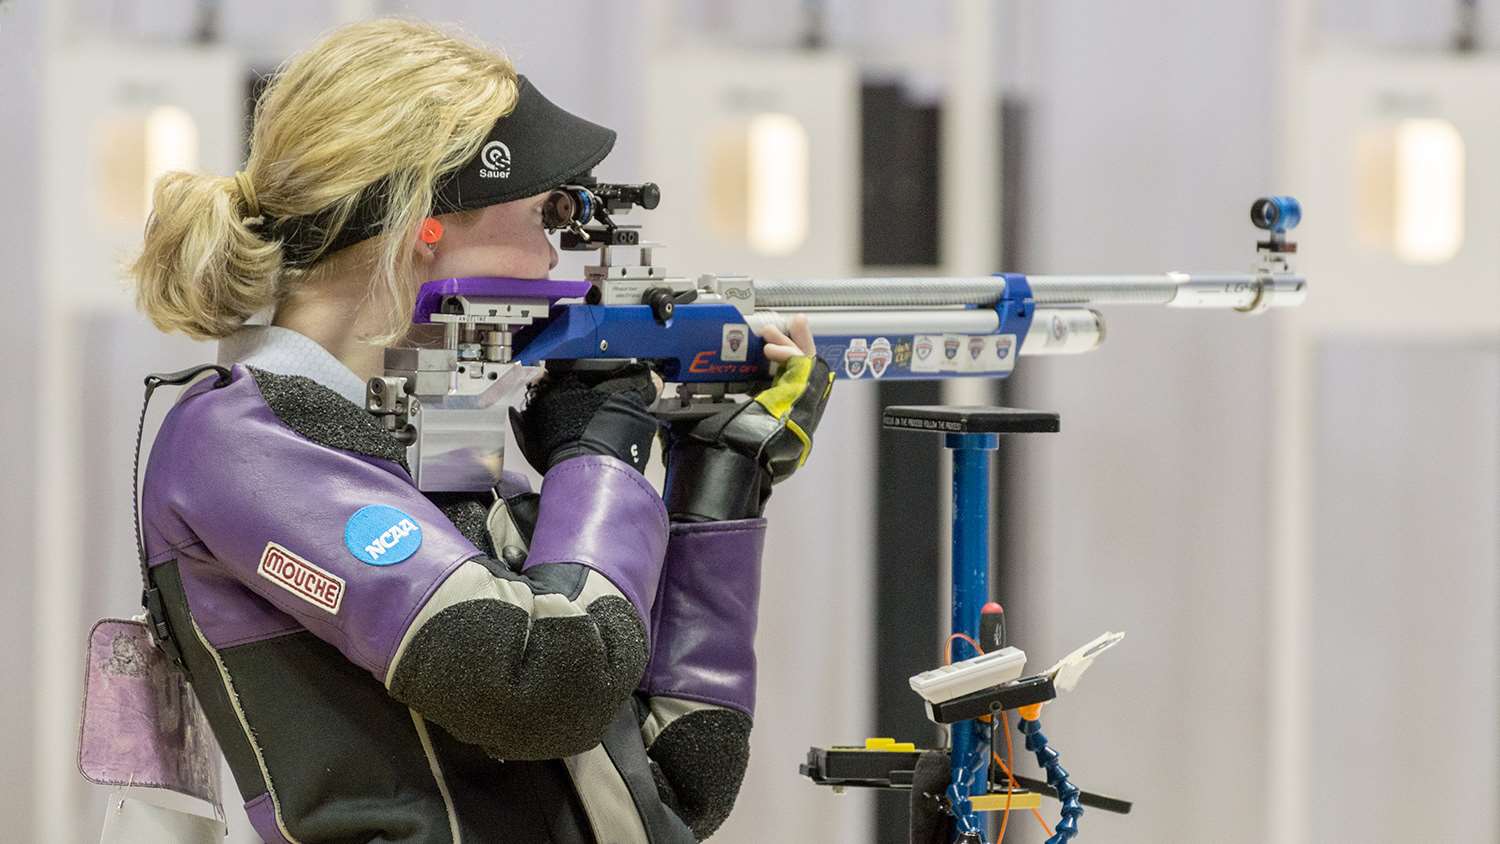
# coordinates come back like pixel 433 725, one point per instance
pixel 1008 485
pixel 906 584
pixel 899 178
pixel 1015 180
pixel 899 217
pixel 900 228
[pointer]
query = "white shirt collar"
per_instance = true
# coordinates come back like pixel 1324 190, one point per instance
pixel 285 352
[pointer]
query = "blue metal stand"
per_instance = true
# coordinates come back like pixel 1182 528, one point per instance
pixel 971 575
pixel 971 434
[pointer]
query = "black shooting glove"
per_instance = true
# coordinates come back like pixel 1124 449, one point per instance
pixel 572 412
pixel 723 467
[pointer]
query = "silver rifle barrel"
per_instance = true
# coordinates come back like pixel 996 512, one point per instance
pixel 1240 291
pixel 1055 331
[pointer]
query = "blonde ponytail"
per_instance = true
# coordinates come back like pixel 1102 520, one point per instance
pixel 203 270
pixel 380 110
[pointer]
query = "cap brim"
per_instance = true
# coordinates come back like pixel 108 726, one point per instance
pixel 533 149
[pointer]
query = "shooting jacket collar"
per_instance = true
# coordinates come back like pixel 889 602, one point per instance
pixel 286 352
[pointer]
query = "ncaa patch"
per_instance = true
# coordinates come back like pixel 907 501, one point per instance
pixel 381 535
pixel 320 588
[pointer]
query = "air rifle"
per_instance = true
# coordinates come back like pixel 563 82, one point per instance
pixel 449 403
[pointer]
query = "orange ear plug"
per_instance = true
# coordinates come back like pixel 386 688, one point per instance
pixel 432 231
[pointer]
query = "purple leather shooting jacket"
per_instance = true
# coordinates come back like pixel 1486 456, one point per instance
pixel 373 670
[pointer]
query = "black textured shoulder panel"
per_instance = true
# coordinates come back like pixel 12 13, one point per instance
pixel 325 417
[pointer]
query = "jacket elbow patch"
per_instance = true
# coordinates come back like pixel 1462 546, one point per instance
pixel 702 756
pixel 520 687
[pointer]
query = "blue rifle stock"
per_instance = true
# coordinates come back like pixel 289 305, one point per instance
pixel 715 342
pixel 701 334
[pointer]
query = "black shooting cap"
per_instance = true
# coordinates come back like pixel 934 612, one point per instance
pixel 533 149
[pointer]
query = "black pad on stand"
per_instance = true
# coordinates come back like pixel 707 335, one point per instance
pixel 943 419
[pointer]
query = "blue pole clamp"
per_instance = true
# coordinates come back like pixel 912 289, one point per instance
pixel 1016 308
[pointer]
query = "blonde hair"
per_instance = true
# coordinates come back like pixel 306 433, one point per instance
pixel 377 112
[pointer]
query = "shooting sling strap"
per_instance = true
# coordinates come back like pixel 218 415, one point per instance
pixel 156 616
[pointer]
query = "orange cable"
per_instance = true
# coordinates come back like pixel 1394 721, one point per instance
pixel 948 646
pixel 1010 793
pixel 1036 813
pixel 1010 751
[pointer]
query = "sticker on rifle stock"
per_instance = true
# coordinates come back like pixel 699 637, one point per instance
pixel 1000 354
pixel 1003 346
pixel 320 588
pixel 855 357
pixel 926 357
pixel 880 356
pixel 901 354
pixel 989 354
pixel 736 345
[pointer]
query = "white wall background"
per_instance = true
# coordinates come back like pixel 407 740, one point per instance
pixel 20 57
pixel 1152 512
pixel 1407 584
pixel 1147 512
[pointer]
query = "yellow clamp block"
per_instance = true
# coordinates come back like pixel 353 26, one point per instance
pixel 1022 800
pixel 890 744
